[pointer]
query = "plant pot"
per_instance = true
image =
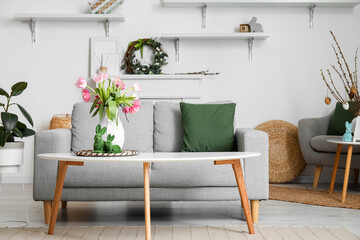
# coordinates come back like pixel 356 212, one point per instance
pixel 11 157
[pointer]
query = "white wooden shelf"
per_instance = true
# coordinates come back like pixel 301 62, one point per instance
pixel 311 4
pixel 162 77
pixel 261 3
pixel 214 36
pixel 68 17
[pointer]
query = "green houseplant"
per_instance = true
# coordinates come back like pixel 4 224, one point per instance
pixel 10 126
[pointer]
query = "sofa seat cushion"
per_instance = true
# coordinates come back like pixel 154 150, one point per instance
pixel 320 144
pixel 105 175
pixel 191 174
pixel 138 128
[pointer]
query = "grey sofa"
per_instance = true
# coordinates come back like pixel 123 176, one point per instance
pixel 317 151
pixel 155 128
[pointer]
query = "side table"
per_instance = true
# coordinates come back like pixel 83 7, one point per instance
pixel 340 143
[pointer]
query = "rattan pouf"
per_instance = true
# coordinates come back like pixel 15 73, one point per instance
pixel 285 158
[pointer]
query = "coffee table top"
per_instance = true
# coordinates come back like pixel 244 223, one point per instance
pixel 342 142
pixel 153 157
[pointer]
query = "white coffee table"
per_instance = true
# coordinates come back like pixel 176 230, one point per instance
pixel 340 143
pixel 233 158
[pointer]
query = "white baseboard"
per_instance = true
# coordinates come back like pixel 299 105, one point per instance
pixel 14 178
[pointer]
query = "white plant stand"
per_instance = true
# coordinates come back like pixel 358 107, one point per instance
pixel 11 160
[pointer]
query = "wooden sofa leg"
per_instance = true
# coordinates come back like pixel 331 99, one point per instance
pixel 63 204
pixel 47 211
pixel 255 210
pixel 317 176
pixel 356 175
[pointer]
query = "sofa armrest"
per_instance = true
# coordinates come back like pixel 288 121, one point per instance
pixel 256 169
pixel 45 172
pixel 309 128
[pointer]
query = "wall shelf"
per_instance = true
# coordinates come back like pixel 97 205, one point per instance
pixel 311 4
pixel 261 3
pixel 214 36
pixel 56 17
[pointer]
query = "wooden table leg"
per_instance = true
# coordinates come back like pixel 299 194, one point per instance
pixel 336 163
pixel 147 201
pixel 63 165
pixel 347 172
pixel 242 190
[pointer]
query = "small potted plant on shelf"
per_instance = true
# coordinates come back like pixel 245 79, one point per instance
pixel 11 151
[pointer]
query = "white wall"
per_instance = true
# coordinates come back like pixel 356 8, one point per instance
pixel 282 82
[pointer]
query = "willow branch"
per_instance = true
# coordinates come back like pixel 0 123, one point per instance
pixel 342 56
pixel 341 77
pixel 341 67
pixel 355 73
pixel 338 98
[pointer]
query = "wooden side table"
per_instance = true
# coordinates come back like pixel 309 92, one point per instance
pixel 347 167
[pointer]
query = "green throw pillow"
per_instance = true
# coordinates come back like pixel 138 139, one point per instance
pixel 208 127
pixel 337 122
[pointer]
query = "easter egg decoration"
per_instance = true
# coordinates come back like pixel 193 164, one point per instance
pixel 345 105
pixel 327 100
pixel 353 89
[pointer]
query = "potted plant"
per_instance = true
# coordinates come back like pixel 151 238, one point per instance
pixel 11 151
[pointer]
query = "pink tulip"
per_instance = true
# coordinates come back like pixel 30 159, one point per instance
pixel 97 78
pixel 126 109
pixel 136 107
pixel 86 95
pixel 119 83
pixel 104 76
pixel 136 87
pixel 81 83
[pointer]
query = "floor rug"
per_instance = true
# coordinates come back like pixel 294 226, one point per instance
pixel 314 197
pixel 180 233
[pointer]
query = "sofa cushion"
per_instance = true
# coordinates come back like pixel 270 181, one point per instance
pixel 320 144
pixel 138 135
pixel 138 130
pixel 208 127
pixel 168 129
pixel 337 122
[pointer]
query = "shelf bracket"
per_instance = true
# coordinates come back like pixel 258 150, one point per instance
pixel 33 30
pixel 203 14
pixel 177 49
pixel 311 15
pixel 251 43
pixel 107 28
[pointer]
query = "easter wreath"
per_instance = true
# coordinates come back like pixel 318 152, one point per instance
pixel 131 65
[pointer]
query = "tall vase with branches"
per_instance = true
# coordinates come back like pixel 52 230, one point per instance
pixel 346 78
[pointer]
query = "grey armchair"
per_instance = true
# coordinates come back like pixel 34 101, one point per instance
pixel 317 151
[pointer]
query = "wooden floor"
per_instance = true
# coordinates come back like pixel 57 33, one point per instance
pixel 217 213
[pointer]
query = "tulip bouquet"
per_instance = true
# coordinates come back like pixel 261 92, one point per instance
pixel 110 95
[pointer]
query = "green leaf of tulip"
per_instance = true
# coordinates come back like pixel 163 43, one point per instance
pixel 9 121
pixel 3 137
pixel 4 93
pixel 26 114
pixel 18 88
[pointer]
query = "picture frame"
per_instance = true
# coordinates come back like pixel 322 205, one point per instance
pixel 107 52
pixel 356 131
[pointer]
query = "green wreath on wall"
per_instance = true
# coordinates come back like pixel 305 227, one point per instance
pixel 131 65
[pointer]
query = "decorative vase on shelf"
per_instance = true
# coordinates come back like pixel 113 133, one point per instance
pixel 114 129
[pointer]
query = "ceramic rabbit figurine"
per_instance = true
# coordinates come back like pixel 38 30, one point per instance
pixel 109 147
pixel 98 141
pixel 347 137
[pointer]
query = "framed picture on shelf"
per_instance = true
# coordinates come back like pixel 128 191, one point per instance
pixel 106 52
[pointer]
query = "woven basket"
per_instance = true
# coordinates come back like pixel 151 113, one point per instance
pixel 60 121
pixel 286 161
